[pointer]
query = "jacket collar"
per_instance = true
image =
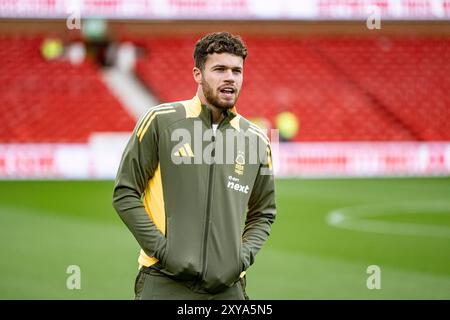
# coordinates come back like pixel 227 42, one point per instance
pixel 205 112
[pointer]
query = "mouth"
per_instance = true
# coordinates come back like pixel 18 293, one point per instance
pixel 227 91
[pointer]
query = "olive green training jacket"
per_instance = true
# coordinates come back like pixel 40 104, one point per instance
pixel 196 215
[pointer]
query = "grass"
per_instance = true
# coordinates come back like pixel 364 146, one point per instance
pixel 46 226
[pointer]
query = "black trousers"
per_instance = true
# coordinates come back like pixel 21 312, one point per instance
pixel 151 284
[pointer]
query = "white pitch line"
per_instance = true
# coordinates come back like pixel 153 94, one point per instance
pixel 353 218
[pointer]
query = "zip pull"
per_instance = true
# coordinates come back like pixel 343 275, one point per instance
pixel 213 151
pixel 214 128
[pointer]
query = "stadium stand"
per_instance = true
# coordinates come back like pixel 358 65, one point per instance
pixel 341 89
pixel 52 101
pixel 346 88
pixel 407 79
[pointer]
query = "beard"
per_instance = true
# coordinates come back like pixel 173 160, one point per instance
pixel 213 98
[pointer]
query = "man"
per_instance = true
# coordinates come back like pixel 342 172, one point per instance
pixel 199 220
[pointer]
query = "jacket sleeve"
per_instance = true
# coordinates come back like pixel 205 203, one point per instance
pixel 139 162
pixel 261 213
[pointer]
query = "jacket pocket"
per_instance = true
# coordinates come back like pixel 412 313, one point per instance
pixel 241 261
pixel 166 251
pixel 235 276
pixel 178 261
pixel 139 284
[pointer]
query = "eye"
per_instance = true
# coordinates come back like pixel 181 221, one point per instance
pixel 237 71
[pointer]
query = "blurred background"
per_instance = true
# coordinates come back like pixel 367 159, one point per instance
pixel 359 91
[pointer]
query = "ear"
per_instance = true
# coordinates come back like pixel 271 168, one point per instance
pixel 197 73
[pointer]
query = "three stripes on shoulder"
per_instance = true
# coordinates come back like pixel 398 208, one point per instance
pixel 150 116
pixel 256 130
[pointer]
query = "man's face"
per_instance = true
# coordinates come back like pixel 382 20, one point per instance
pixel 221 79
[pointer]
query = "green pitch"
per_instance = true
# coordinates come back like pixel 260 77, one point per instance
pixel 328 232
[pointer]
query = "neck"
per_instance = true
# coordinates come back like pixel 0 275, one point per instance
pixel 217 113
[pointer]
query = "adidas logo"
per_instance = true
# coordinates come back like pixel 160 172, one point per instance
pixel 184 151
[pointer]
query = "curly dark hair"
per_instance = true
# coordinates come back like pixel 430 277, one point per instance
pixel 218 42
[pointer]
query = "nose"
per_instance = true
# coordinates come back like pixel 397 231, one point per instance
pixel 229 76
